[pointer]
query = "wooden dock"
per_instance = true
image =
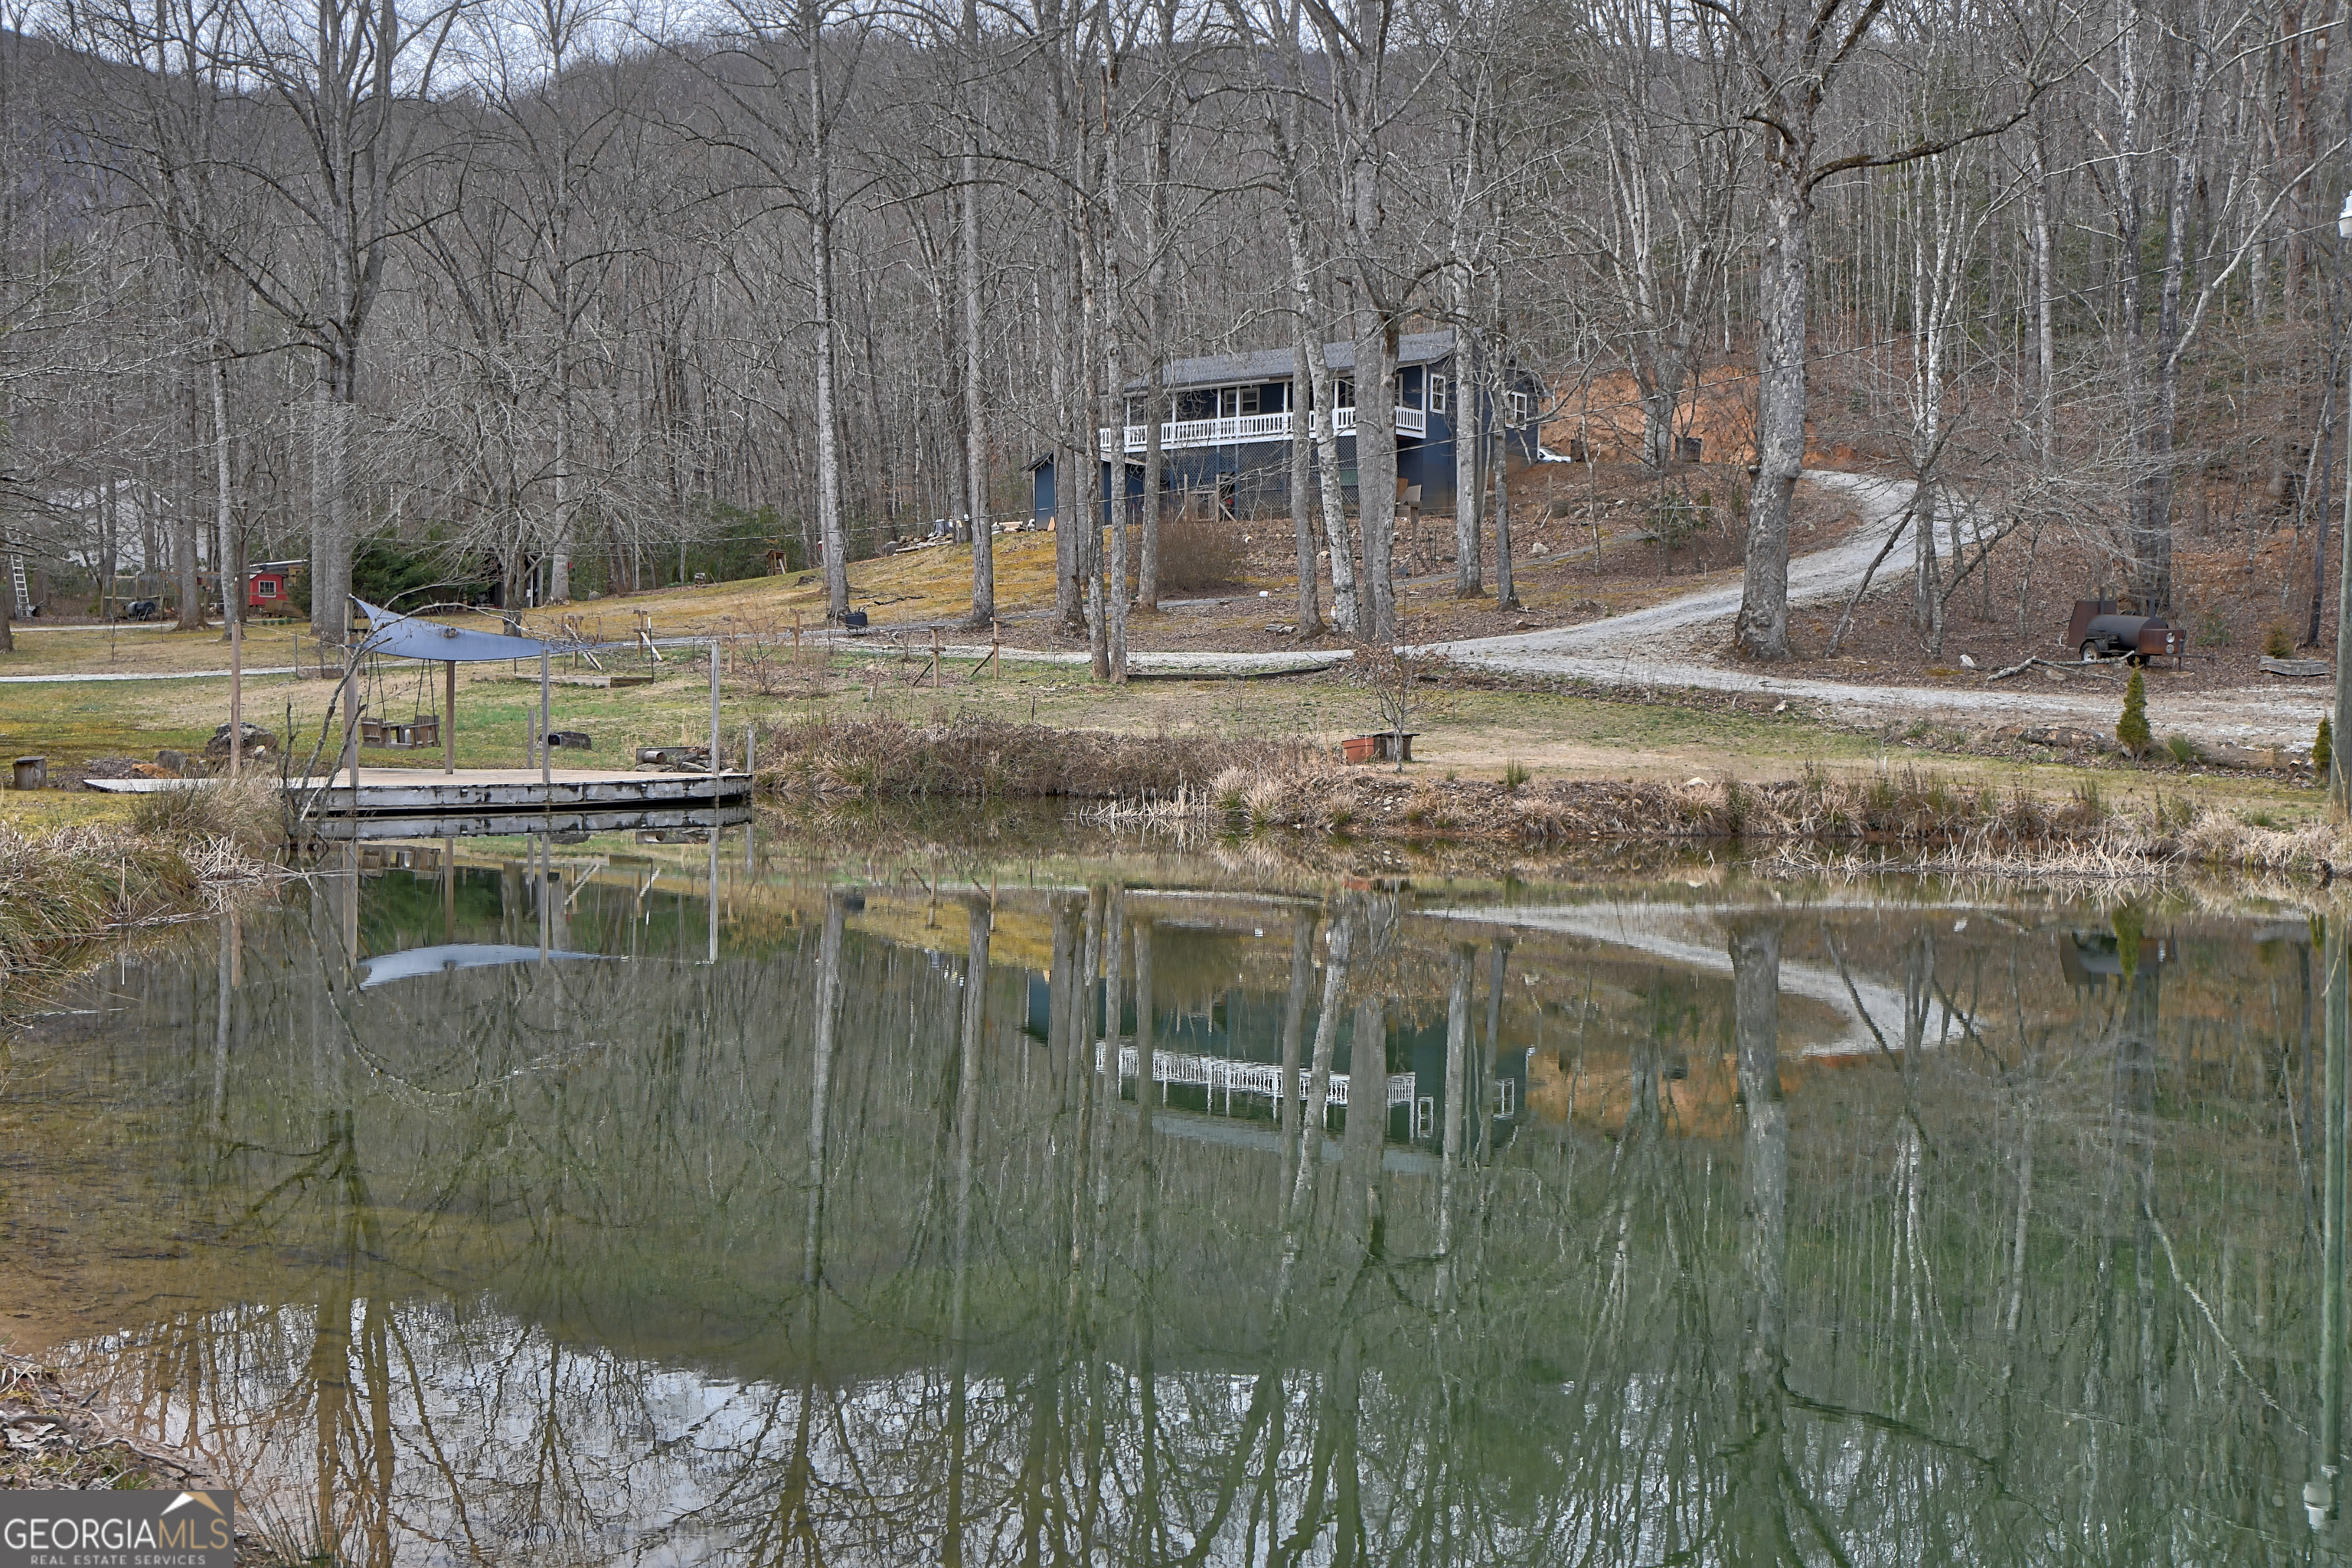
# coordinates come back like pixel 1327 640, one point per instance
pixel 563 823
pixel 421 792
pixel 406 794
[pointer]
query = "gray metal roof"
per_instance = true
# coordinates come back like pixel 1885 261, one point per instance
pixel 1275 364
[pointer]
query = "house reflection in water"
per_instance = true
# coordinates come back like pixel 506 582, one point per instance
pixel 1218 1025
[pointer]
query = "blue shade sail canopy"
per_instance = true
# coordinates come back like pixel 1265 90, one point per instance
pixel 406 637
pixel 417 961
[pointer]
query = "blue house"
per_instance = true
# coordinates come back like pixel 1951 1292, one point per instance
pixel 1229 431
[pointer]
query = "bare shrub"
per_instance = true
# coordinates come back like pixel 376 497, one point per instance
pixel 248 813
pixel 1396 678
pixel 1198 554
pixel 774 662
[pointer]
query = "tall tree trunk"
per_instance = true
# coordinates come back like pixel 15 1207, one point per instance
pixel 1114 316
pixel 1281 112
pixel 191 616
pixel 1466 420
pixel 559 547
pixel 1294 1024
pixel 1102 468
pixel 1507 596
pixel 830 529
pixel 330 516
pixel 2045 389
pixel 1457 1057
pixel 1758 1514
pixel 230 559
pixel 1762 629
pixel 1376 472
pixel 1302 501
pixel 975 409
pixel 975 1033
pixel 1157 225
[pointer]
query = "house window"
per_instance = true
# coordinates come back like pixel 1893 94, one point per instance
pixel 1249 401
pixel 1515 403
pixel 1436 394
pixel 1424 1117
pixel 1506 1097
pixel 1410 380
pixel 265 589
pixel 1343 391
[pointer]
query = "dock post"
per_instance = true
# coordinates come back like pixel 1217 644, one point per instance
pixel 235 697
pixel 546 768
pixel 711 886
pixel 351 757
pixel 714 723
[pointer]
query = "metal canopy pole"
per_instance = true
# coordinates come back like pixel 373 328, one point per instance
pixel 449 716
pixel 546 769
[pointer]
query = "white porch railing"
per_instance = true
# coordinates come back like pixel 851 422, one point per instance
pixel 1183 434
pixel 1222 1074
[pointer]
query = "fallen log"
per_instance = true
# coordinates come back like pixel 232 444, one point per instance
pixel 2299 669
pixel 2084 666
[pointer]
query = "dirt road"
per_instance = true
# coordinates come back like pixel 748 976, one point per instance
pixel 1680 643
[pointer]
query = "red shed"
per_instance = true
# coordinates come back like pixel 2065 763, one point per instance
pixel 266 588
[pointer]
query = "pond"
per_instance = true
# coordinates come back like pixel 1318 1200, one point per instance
pixel 637 1200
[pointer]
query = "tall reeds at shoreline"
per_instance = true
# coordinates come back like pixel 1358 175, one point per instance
pixel 67 887
pixel 1906 814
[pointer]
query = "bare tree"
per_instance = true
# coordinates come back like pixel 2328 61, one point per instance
pixel 1794 57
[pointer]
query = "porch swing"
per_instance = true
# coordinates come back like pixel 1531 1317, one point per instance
pixel 421 732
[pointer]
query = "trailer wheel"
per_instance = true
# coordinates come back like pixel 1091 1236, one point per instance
pixel 2090 650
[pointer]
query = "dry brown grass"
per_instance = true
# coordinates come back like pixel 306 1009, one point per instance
pixel 70 886
pixel 1207 787
pixel 250 814
pixel 1897 818
pixel 58 1441
pixel 974 758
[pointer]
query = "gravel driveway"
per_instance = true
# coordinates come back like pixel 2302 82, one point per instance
pixel 1667 646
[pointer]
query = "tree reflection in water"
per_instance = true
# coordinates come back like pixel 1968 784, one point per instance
pixel 840 1248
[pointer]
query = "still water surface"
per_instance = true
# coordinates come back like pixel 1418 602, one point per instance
pixel 528 1204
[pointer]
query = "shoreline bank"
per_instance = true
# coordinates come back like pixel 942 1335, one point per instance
pixel 1911 815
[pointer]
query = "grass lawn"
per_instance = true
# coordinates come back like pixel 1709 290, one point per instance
pixel 915 586
pixel 1471 733
pixel 36 811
